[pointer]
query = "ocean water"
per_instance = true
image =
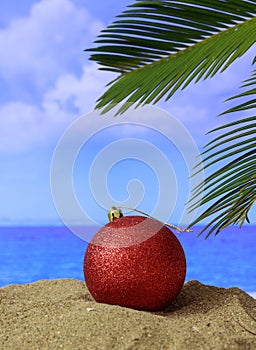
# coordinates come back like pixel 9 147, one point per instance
pixel 29 254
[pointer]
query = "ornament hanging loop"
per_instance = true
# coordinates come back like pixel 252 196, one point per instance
pixel 116 213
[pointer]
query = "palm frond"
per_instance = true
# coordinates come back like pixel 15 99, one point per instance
pixel 232 188
pixel 161 46
pixel 158 47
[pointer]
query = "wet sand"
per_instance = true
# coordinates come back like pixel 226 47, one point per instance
pixel 61 314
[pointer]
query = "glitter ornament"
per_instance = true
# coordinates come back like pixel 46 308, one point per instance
pixel 135 262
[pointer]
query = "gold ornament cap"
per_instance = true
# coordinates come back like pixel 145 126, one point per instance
pixel 114 213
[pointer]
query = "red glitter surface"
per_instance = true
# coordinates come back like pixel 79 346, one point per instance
pixel 147 275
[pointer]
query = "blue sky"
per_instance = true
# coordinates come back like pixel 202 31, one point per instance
pixel 47 83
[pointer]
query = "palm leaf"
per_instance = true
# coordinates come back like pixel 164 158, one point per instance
pixel 231 190
pixel 158 47
pixel 161 46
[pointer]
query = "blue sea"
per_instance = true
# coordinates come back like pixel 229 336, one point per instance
pixel 29 254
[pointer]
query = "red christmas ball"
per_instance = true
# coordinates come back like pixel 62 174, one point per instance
pixel 135 262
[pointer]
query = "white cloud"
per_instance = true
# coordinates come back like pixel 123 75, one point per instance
pixel 24 126
pixel 80 92
pixel 46 44
pixel 41 70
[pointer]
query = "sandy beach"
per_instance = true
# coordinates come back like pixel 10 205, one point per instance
pixel 61 314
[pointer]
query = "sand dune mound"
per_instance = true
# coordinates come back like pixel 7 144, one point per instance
pixel 61 314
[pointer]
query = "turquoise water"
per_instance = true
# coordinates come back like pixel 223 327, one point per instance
pixel 32 253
